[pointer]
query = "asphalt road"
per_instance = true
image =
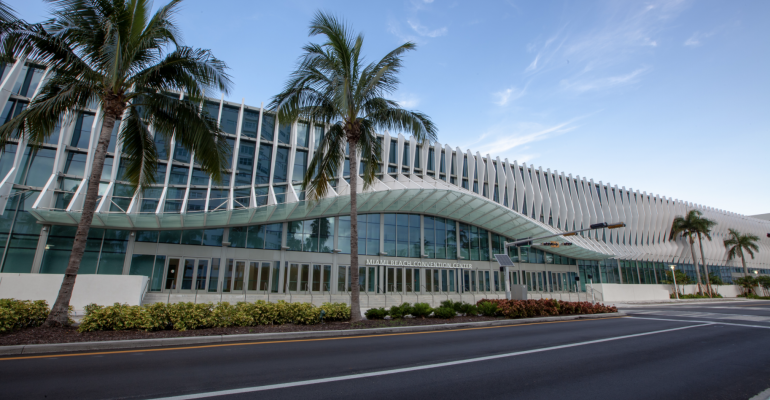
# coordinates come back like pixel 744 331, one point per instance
pixel 715 351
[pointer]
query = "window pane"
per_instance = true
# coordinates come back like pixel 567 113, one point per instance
pixel 268 127
pixel 41 167
pixel 82 134
pixel 229 120
pixel 250 121
pixel 245 161
pixel 264 163
pixel 300 166
pixel 178 175
pixel 284 133
pixel 281 164
pixel 76 164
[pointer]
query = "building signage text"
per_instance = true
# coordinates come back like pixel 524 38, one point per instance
pixel 414 263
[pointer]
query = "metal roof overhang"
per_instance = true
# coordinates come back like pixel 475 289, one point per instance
pixel 461 206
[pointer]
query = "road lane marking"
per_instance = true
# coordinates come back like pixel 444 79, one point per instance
pixel 143 350
pixel 418 368
pixel 710 322
pixel 696 314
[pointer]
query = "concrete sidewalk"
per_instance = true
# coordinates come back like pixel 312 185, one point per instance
pixel 681 301
pixel 195 340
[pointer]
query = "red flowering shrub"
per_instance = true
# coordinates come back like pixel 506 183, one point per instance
pixel 546 308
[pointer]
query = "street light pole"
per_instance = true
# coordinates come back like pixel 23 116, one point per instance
pixel 673 275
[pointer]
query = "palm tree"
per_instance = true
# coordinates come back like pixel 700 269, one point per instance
pixel 332 85
pixel 688 227
pixel 737 243
pixel 703 228
pixel 118 53
pixel 6 13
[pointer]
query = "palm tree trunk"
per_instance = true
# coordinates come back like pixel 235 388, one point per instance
pixel 59 315
pixel 355 303
pixel 743 262
pixel 705 267
pixel 695 263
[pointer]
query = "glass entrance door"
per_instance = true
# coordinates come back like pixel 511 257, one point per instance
pixel 192 273
pixel 394 280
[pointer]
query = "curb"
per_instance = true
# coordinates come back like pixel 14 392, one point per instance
pixel 170 342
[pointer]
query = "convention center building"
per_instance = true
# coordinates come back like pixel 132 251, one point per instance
pixel 428 227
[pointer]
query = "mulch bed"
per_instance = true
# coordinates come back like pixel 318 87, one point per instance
pixel 70 334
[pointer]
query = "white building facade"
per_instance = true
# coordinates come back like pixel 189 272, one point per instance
pixel 429 225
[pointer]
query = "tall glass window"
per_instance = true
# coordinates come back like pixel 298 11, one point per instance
pixel 245 162
pixel 82 133
pixel 181 154
pixel 281 165
pixel 368 234
pixel 440 240
pixel 174 199
pixel 268 127
pixel 402 235
pixel 474 243
pixel 196 200
pixel 314 235
pixel 319 134
pixel 257 236
pixel 284 133
pixel 38 166
pixel 22 244
pixel 303 134
pixel 229 121
pixel 178 175
pixel 29 79
pixel 263 164
pixel 250 123
pixel 300 166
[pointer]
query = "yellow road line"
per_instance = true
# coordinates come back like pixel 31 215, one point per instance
pixel 287 341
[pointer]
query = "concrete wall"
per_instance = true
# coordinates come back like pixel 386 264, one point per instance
pixel 615 292
pixel 99 289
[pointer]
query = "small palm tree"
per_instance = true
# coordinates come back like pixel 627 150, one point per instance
pixel 703 228
pixel 333 85
pixel 736 245
pixel 688 227
pixel 118 53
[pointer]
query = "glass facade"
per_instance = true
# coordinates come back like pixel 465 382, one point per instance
pixel 282 152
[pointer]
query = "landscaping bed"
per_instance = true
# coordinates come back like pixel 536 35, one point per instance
pixel 20 321
pixel 42 335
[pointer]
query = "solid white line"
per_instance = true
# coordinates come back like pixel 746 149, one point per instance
pixel 418 368
pixel 708 322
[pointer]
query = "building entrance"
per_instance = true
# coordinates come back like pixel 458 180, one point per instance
pixel 187 274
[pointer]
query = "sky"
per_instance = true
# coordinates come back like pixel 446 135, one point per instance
pixel 665 97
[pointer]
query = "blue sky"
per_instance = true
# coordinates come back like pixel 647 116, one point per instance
pixel 668 97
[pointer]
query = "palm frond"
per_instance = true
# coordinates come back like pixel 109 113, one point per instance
pixel 141 159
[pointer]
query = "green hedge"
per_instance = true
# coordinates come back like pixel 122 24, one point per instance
pixel 544 308
pixel 18 314
pixel 184 316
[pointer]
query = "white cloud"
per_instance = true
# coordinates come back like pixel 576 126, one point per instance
pixel 395 28
pixel 428 1
pixel 584 85
pixel 507 95
pixel 423 31
pixel 533 66
pixel 407 100
pixel 697 38
pixel 501 139
pixel 627 30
